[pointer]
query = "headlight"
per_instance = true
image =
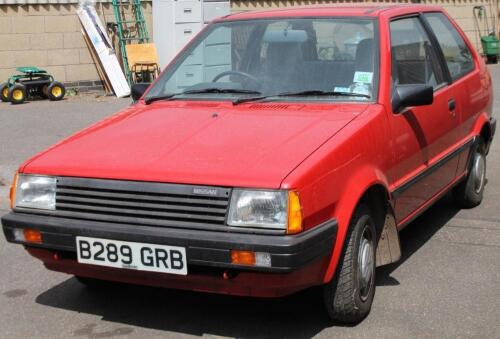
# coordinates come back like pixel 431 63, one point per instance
pixel 33 191
pixel 265 209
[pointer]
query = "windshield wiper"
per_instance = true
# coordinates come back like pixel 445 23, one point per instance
pixel 302 93
pixel 149 100
pixel 221 90
pixel 318 92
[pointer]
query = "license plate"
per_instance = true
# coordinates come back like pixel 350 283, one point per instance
pixel 131 255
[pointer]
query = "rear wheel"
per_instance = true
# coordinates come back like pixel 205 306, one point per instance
pixel 56 91
pixel 469 193
pixel 348 297
pixel 17 94
pixel 4 92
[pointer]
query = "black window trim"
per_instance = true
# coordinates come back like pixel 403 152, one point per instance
pixel 434 45
pixel 430 32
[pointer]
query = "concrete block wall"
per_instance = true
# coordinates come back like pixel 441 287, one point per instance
pixel 49 36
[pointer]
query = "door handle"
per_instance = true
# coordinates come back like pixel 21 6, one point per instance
pixel 452 104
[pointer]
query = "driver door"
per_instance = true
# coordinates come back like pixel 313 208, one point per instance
pixel 422 135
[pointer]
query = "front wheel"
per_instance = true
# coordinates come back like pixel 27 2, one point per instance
pixel 348 297
pixel 17 94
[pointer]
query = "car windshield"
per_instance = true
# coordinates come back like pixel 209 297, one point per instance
pixel 300 59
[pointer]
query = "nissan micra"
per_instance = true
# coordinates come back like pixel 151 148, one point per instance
pixel 278 151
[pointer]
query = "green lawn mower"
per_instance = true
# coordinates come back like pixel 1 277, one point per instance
pixel 31 82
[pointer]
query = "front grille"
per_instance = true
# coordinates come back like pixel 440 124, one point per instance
pixel 142 203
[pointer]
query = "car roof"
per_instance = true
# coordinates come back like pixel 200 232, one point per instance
pixel 331 11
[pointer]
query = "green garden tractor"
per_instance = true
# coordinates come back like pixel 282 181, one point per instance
pixel 31 82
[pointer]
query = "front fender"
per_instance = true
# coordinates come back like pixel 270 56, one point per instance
pixel 357 185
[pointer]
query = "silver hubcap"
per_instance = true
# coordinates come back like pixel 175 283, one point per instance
pixel 365 263
pixel 479 171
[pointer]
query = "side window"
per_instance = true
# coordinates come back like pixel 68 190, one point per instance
pixel 456 53
pixel 413 58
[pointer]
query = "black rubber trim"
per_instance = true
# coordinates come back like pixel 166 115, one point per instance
pixel 493 125
pixel 207 248
pixel 401 189
pixel 142 186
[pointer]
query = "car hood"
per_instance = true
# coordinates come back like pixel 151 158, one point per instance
pixel 250 145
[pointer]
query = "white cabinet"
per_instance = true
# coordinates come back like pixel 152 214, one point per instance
pixel 212 10
pixel 176 22
pixel 187 11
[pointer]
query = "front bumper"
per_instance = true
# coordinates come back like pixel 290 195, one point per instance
pixel 203 248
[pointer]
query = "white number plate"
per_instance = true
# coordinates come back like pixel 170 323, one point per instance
pixel 131 255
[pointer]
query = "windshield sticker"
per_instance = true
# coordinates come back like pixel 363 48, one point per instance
pixel 342 89
pixel 363 77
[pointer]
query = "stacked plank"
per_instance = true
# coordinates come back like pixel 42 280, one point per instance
pixel 102 52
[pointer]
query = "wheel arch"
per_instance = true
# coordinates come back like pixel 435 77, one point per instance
pixel 369 186
pixel 483 127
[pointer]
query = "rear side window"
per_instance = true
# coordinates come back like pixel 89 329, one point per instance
pixel 456 53
pixel 414 60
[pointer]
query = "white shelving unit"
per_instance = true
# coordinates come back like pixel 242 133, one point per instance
pixel 176 22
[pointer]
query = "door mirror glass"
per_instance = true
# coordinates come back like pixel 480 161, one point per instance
pixel 138 90
pixel 411 95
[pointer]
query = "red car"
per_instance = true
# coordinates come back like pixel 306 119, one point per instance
pixel 279 150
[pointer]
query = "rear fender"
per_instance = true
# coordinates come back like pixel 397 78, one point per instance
pixel 482 120
pixel 483 126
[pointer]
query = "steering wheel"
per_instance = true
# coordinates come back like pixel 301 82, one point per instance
pixel 241 74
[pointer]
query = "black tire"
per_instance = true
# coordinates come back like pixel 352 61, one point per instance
pixel 44 91
pixel 469 193
pixel 17 94
pixel 56 91
pixel 4 92
pixel 347 299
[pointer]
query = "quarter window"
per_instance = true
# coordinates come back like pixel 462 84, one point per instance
pixel 456 53
pixel 414 60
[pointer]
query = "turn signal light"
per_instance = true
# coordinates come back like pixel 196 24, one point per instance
pixel 12 194
pixel 32 236
pixel 28 235
pixel 250 258
pixel 294 213
pixel 243 257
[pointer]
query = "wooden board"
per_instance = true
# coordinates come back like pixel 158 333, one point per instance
pixel 104 50
pixel 108 89
pixel 141 54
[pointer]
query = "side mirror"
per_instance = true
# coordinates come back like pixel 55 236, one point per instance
pixel 411 95
pixel 138 90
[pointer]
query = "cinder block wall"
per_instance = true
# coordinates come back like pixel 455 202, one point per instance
pixel 49 36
